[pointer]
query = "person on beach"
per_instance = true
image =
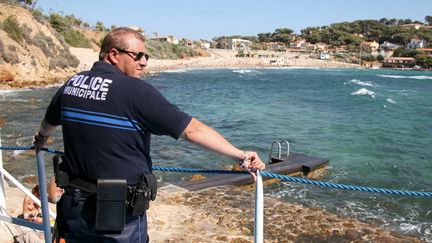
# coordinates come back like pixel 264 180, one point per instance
pixel 32 211
pixel 108 115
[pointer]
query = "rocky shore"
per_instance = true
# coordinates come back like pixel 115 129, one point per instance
pixel 226 214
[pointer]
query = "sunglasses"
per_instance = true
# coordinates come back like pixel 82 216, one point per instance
pixel 137 56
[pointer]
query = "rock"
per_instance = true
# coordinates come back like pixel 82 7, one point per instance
pixel 31 180
pixel 2 122
pixel 197 177
pixel 222 238
pixel 6 76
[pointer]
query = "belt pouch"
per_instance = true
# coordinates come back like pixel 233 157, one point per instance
pixel 140 203
pixel 110 204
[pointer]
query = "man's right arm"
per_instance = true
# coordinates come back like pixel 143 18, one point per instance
pixel 208 138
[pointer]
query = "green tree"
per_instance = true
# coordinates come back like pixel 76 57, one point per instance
pixel 72 36
pixel 100 26
pixel 58 22
pixel 284 35
pixel 428 19
pixel 428 62
pixel 264 37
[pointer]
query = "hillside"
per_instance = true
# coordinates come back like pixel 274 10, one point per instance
pixel 32 53
pixel 36 50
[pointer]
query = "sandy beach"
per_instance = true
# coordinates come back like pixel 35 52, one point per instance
pixel 217 59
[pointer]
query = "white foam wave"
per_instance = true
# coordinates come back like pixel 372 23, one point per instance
pixel 405 76
pixel 364 91
pixel 390 100
pixel 362 83
pixel 243 71
pixel 175 71
pixel 11 91
pixel 17 152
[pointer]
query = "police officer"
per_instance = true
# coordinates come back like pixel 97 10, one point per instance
pixel 107 115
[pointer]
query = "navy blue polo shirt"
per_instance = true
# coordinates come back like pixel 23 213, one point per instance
pixel 107 120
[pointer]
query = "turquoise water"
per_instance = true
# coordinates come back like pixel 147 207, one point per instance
pixel 375 126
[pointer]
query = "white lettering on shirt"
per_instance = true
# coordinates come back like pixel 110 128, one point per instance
pixel 92 88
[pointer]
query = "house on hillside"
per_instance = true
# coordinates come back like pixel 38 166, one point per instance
pixel 412 26
pixel 370 46
pixel 399 62
pixel 416 43
pixel 387 49
pixel 388 46
pixel 299 44
pixel 169 39
pixel 239 44
pixel 274 46
pixel 203 44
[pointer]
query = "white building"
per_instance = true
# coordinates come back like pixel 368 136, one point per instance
pixel 239 44
pixel 388 46
pixel 416 43
pixel 299 44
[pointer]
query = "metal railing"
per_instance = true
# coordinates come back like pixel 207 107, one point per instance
pixel 43 203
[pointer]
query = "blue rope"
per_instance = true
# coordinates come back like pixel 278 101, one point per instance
pixel 304 181
pixel 265 174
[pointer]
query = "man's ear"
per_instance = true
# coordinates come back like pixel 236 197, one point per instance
pixel 113 56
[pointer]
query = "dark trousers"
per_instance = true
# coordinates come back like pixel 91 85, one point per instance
pixel 76 220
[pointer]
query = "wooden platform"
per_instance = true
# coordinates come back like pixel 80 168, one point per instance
pixel 295 164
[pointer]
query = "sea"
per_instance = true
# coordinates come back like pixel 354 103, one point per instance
pixel 375 127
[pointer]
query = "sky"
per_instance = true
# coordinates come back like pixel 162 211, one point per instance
pixel 203 19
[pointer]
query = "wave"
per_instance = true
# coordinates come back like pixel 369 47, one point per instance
pixel 364 91
pixel 11 91
pixel 421 77
pixel 362 83
pixel 390 100
pixel 243 71
pixel 175 71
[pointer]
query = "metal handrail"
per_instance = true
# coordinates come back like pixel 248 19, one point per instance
pixel 44 195
pixel 259 209
pixel 43 203
pixel 20 186
pixel 279 143
pixel 288 146
pixel 271 150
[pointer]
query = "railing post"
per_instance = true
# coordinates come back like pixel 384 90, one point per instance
pixel 2 188
pixel 43 195
pixel 259 209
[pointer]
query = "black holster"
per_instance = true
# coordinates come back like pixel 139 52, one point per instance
pixel 110 204
pixel 140 195
pixel 60 171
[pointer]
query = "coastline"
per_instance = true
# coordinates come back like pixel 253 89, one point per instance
pixel 217 59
